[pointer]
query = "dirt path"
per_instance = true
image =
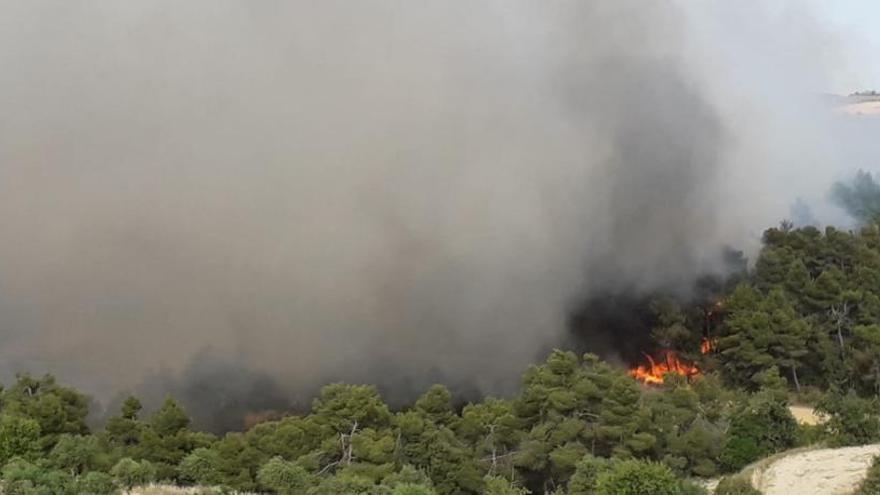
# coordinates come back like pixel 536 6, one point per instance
pixel 816 472
pixel 805 415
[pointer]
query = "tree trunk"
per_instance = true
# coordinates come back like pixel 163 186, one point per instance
pixel 877 379
pixel 797 384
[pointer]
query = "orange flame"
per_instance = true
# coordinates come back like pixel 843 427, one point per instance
pixel 653 373
pixel 708 345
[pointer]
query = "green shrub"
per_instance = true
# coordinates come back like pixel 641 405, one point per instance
pixel 412 489
pixel 344 482
pixel 283 477
pixel 21 477
pixel 129 473
pixel 635 477
pixel 852 419
pixel 810 435
pixel 735 485
pixel 95 483
pixel 586 475
pixel 689 487
pixel 201 467
pixel 496 485
pixel 408 475
pixel 761 428
pixel 19 437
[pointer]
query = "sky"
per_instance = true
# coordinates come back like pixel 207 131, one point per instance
pixel 858 24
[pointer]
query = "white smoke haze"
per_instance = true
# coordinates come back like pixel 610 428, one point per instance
pixel 382 191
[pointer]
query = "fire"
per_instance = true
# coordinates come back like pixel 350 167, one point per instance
pixel 708 345
pixel 654 372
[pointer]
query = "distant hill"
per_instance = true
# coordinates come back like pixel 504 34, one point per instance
pixel 858 103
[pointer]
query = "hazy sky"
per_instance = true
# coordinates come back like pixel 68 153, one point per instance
pixel 859 22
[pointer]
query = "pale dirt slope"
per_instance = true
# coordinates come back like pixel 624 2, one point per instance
pixel 805 415
pixel 816 472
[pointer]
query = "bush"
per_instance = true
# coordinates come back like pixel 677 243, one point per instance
pixel 635 477
pixel 586 475
pixel 412 489
pixel 811 435
pixel 344 482
pixel 76 453
pixel 129 473
pixel 852 420
pixel 735 485
pixel 689 487
pixel 24 478
pixel 201 467
pixel 283 477
pixel 496 485
pixel 95 483
pixel 763 427
pixel 407 475
pixel 18 437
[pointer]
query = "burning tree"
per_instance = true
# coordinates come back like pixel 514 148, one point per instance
pixel 654 372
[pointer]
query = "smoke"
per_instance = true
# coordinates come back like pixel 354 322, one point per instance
pixel 384 191
pixel 861 199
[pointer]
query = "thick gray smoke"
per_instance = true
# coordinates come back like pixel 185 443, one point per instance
pixel 385 191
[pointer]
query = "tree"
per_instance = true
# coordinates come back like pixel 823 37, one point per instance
pixel 76 454
pixel 169 419
pixel 435 449
pixel 493 429
pixel 290 437
pixel 762 426
pixel 131 407
pixel 436 405
pixel 622 421
pixel 672 332
pixel 867 354
pixel 586 475
pixel 56 409
pixel 19 437
pixel 202 466
pixel 763 332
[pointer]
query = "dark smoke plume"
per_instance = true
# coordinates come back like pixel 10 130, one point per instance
pixel 387 191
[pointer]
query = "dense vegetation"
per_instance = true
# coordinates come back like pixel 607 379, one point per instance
pixel 804 324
